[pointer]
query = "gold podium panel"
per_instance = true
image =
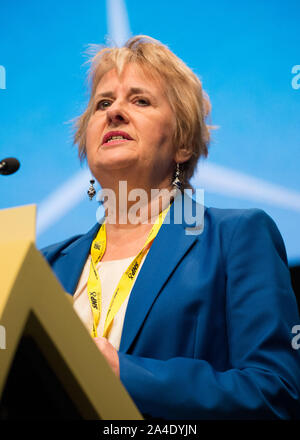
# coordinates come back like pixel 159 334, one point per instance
pixel 37 315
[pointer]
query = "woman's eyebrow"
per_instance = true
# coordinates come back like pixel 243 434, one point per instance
pixel 137 90
pixel 104 95
pixel 132 91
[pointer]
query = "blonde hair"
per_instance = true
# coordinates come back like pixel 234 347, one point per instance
pixel 183 88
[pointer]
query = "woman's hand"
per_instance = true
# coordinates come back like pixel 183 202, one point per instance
pixel 110 353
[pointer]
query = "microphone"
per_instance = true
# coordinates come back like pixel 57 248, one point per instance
pixel 9 166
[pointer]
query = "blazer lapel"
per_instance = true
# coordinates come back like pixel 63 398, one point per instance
pixel 169 247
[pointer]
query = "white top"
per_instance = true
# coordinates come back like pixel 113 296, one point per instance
pixel 110 273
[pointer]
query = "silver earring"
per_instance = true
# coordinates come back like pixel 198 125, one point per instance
pixel 91 191
pixel 177 182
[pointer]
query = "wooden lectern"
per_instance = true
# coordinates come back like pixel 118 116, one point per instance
pixel 50 368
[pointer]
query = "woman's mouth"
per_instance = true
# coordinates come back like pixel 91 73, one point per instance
pixel 116 137
pixel 115 140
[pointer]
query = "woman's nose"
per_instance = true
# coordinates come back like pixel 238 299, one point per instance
pixel 117 116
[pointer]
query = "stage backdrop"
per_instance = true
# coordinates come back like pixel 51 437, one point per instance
pixel 247 55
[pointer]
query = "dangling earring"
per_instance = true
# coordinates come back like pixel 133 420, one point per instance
pixel 91 191
pixel 176 182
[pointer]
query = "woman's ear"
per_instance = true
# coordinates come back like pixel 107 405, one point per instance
pixel 183 154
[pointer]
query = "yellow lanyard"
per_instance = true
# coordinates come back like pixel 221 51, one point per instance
pixel 125 284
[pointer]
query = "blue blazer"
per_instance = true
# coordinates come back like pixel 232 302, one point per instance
pixel 208 327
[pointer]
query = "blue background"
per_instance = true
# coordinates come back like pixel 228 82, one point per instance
pixel 243 52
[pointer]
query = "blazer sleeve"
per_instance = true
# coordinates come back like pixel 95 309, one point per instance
pixel 263 381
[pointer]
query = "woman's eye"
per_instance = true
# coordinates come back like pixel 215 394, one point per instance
pixel 102 105
pixel 142 102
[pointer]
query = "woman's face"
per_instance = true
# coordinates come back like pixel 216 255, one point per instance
pixel 135 107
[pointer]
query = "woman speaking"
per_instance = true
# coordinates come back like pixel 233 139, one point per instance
pixel 197 325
